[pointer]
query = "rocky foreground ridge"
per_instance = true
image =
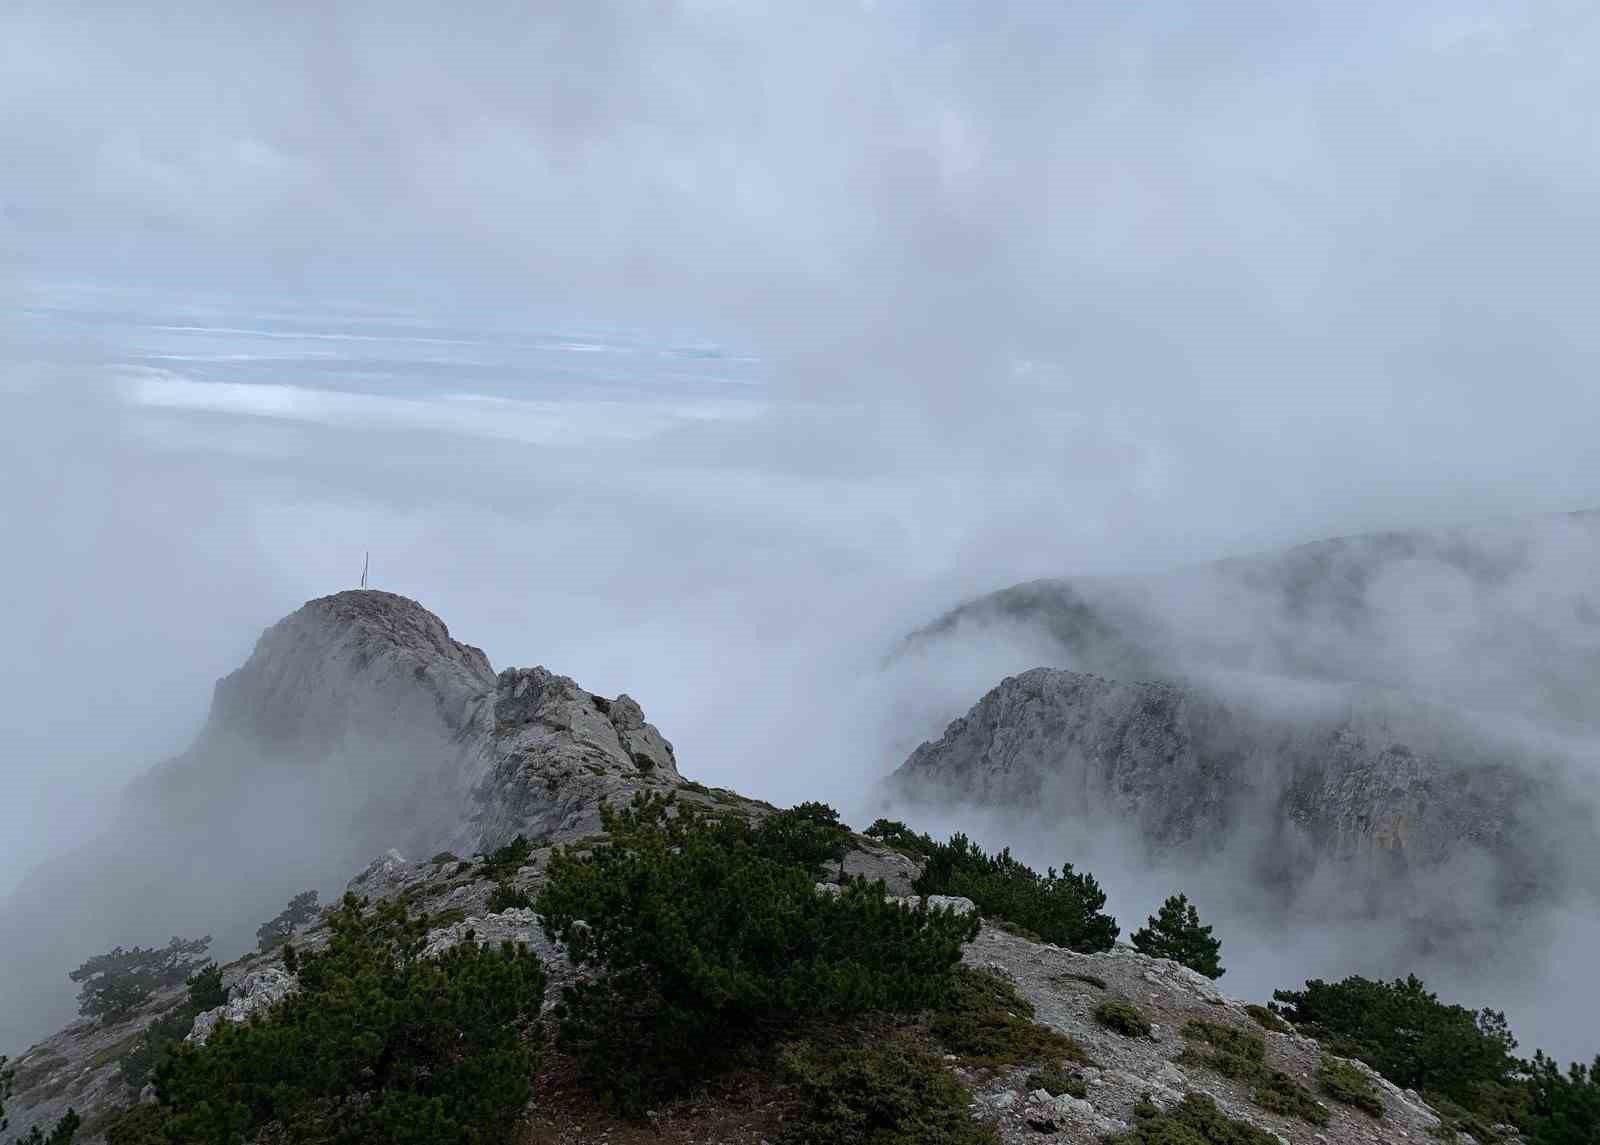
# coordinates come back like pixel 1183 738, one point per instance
pixel 78 1067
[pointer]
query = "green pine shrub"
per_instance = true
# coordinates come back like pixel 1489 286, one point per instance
pixel 1277 1092
pixel 808 835
pixel 1403 1031
pixel 1233 1052
pixel 1061 908
pixel 710 930
pixel 1562 1109
pixel 1348 1085
pixel 1055 1081
pixel 1175 932
pixel 118 982
pixel 507 896
pixel 1267 1020
pixel 158 1039
pixel 504 862
pixel 378 1044
pixel 895 834
pixel 1195 1120
pixel 280 928
pixel 144 1124
pixel 890 1093
pixel 62 1133
pixel 1123 1017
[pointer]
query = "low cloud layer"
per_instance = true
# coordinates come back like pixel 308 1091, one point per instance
pixel 1013 292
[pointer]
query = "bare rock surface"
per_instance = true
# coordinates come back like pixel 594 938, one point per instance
pixel 1065 988
pixel 254 993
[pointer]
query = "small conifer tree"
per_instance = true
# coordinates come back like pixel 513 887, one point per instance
pixel 118 982
pixel 1175 932
pixel 279 929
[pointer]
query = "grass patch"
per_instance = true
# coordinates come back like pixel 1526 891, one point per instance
pixel 989 1024
pixel 1195 1120
pixel 1121 1016
pixel 444 857
pixel 1347 1084
pixel 446 918
pixel 1267 1020
pixel 1055 1082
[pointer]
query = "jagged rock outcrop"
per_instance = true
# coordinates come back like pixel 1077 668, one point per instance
pixel 553 754
pixel 370 684
pixel 1345 774
pixel 255 992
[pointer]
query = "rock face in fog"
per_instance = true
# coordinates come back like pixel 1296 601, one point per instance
pixel 479 757
pixel 1348 775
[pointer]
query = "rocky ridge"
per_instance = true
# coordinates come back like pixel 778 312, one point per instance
pixel 1355 777
pixel 78 1067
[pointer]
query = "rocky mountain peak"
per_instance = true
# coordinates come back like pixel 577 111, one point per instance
pixel 346 663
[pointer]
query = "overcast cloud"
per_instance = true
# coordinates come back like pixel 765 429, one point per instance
pixel 1031 290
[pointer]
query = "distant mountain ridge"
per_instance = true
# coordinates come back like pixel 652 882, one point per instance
pixel 1375 707
pixel 1502 616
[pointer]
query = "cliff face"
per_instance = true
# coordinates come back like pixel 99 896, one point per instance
pixel 1362 781
pixel 370 684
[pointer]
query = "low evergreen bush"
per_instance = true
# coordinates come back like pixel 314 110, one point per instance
pixel 1348 1085
pixel 506 896
pixel 167 1031
pixel 1061 908
pixel 378 1044
pixel 1195 1120
pixel 1402 1030
pixel 1123 1017
pixel 894 1093
pixel 1267 1020
pixel 710 929
pixel 1056 1081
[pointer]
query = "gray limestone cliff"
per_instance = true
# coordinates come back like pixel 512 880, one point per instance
pixel 370 685
pixel 1365 780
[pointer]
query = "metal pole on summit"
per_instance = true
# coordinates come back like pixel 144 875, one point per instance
pixel 364 564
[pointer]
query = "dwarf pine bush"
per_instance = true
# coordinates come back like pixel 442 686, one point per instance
pixel 378 1044
pixel 709 928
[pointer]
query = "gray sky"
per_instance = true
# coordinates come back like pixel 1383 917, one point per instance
pixel 1034 288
